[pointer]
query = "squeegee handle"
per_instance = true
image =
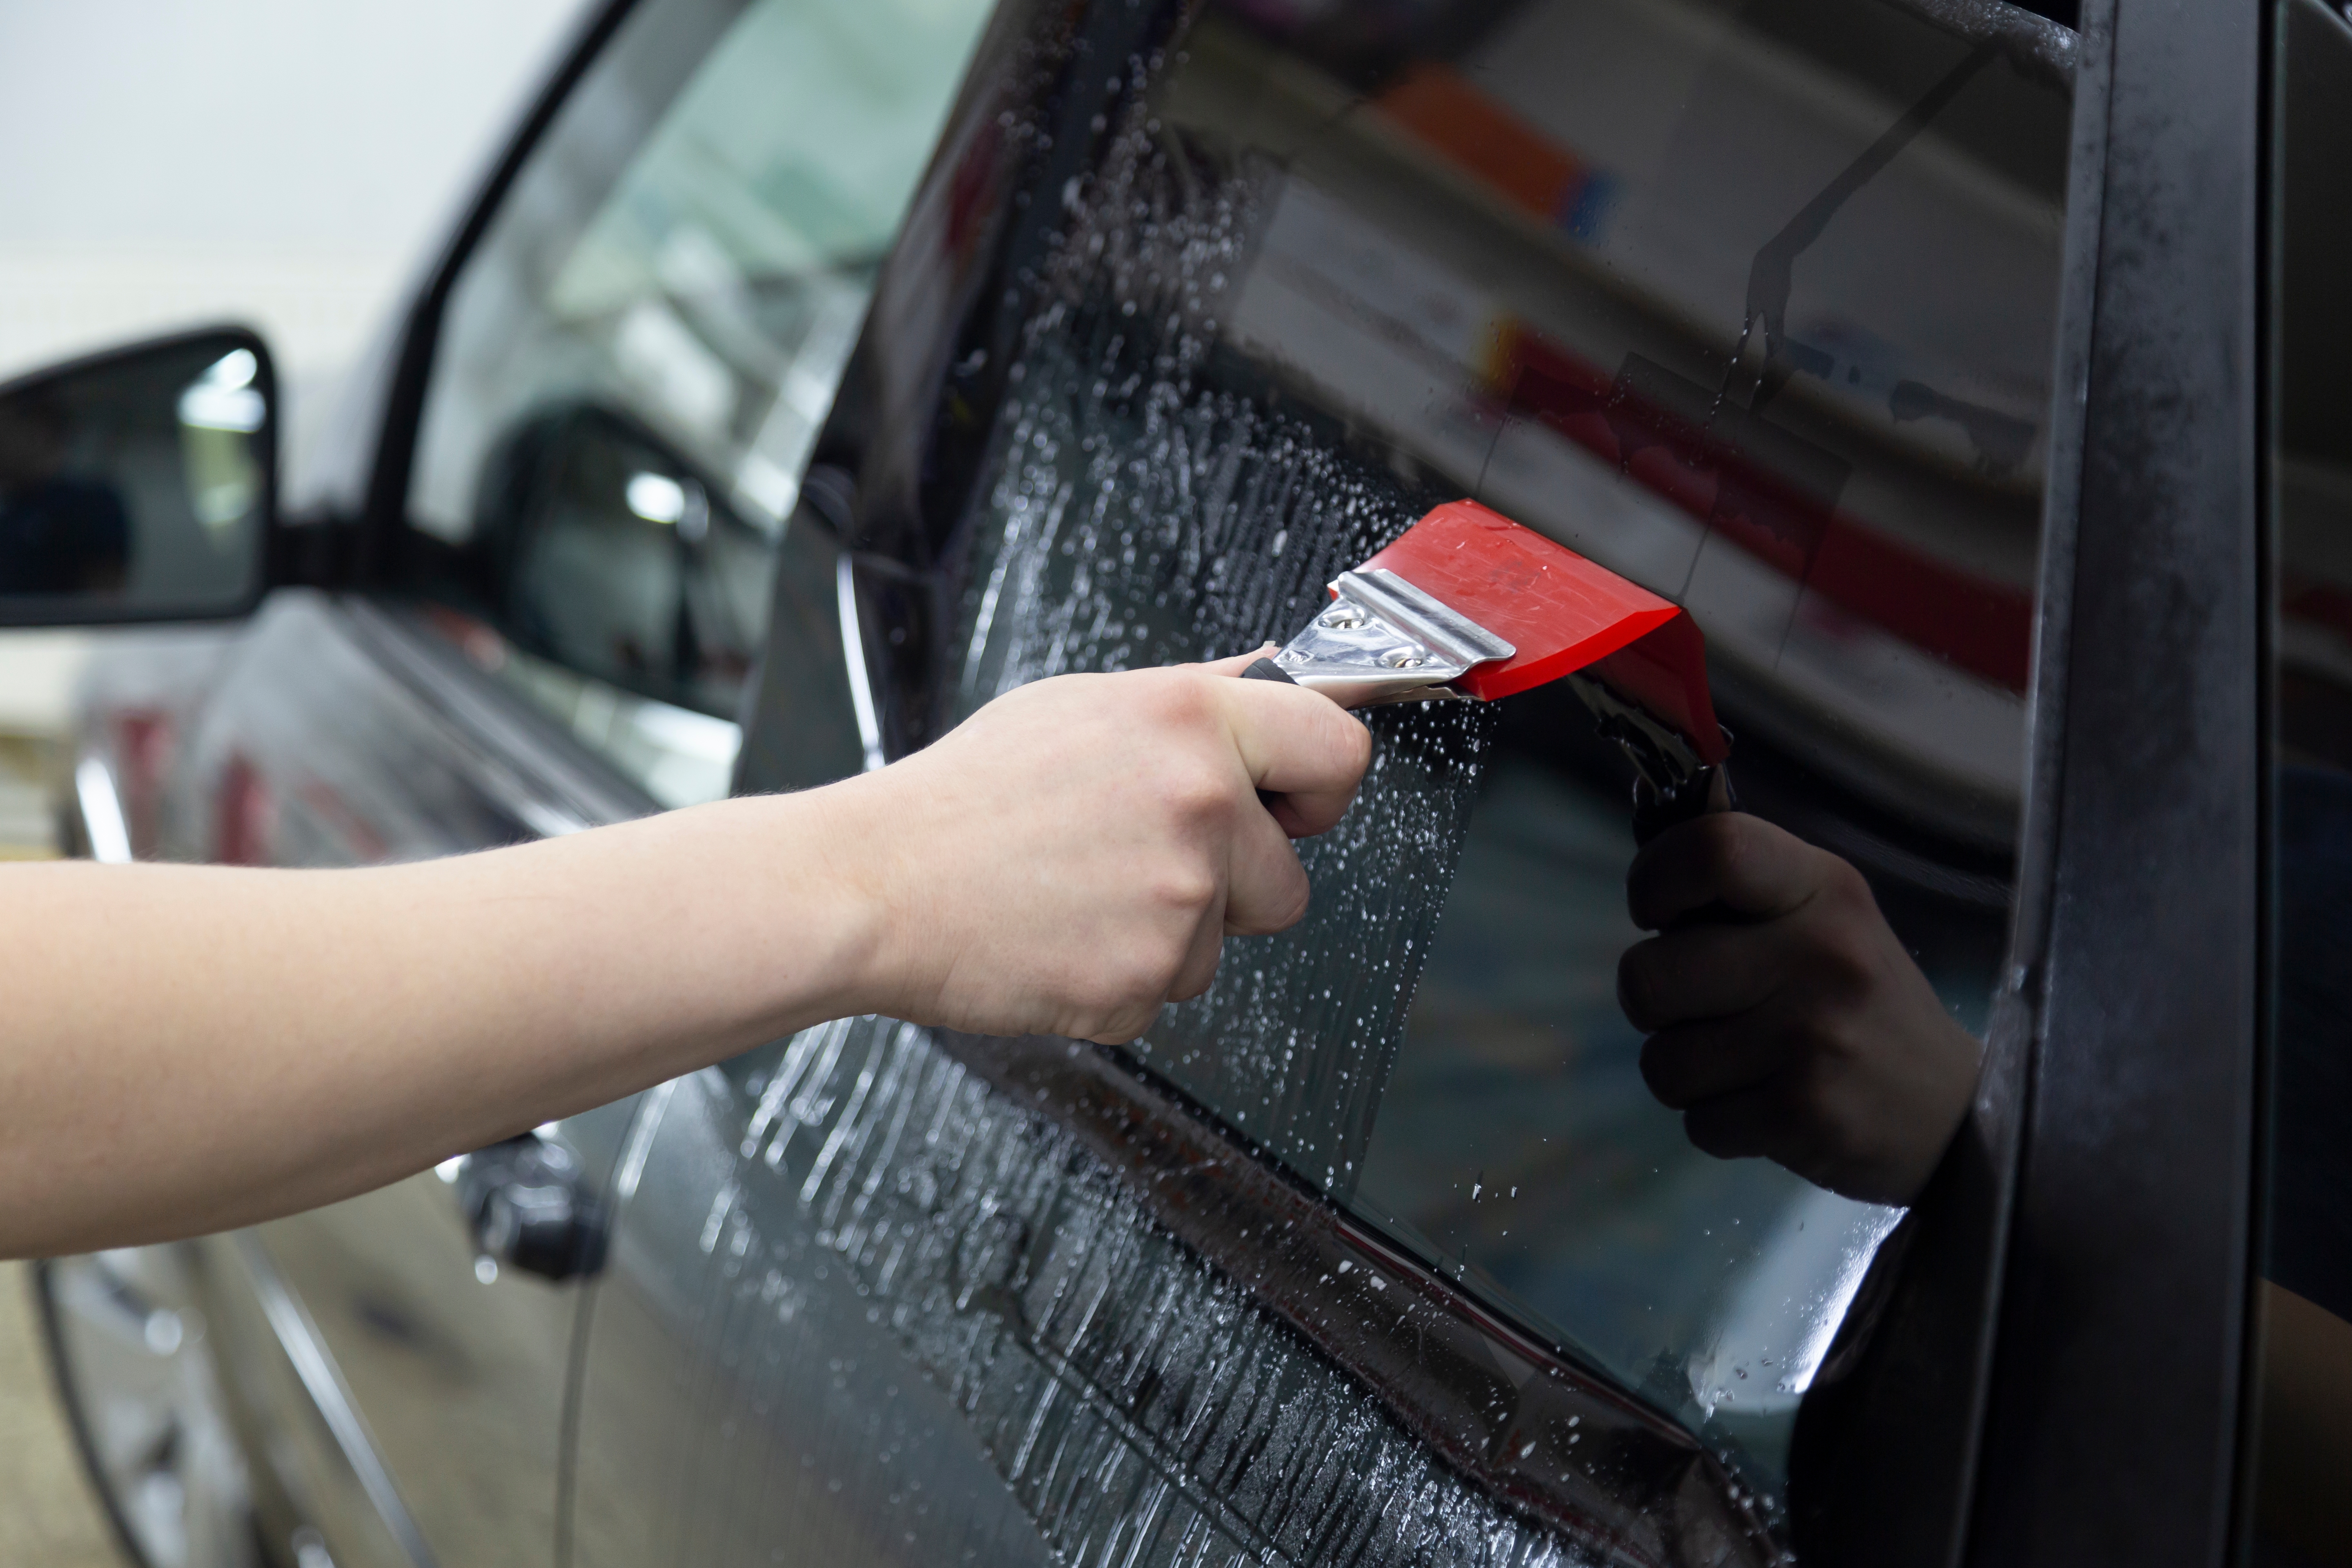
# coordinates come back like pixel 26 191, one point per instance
pixel 1266 670
pixel 1654 810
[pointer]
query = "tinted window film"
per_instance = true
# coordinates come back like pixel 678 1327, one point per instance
pixel 2304 1314
pixel 1752 304
pixel 634 363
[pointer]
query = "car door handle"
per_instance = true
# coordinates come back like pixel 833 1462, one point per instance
pixel 529 1206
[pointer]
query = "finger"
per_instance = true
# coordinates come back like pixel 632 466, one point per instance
pixel 1298 744
pixel 1738 1126
pixel 1266 887
pixel 1724 858
pixel 1232 664
pixel 1286 817
pixel 1199 965
pixel 1704 972
pixel 1341 695
pixel 1691 1063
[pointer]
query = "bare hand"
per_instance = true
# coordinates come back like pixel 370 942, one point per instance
pixel 1072 855
pixel 1786 1020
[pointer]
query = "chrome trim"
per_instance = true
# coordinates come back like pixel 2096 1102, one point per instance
pixel 547 791
pixel 1660 752
pixel 104 826
pixel 1385 640
pixel 642 1128
pixel 853 654
pixel 298 1337
pixel 2033 45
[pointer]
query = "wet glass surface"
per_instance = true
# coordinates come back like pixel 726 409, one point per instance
pixel 1518 1146
pixel 2304 1299
pixel 1751 304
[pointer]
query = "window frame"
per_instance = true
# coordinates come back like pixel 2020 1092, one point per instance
pixel 2113 1404
pixel 2047 1386
pixel 361 479
pixel 2031 1368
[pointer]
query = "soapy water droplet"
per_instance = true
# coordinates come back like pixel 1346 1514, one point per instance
pixel 1139 516
pixel 1120 1388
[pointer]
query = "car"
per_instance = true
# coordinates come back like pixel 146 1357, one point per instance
pixel 808 373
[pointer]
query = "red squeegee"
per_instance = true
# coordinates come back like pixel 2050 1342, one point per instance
pixel 1469 604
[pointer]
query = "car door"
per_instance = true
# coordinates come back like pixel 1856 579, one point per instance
pixel 627 376
pixel 402 1393
pixel 612 519
pixel 1380 1251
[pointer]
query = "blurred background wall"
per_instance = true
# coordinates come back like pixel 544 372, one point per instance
pixel 165 162
pixel 282 162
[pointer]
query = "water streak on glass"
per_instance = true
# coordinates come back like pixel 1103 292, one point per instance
pixel 1304 287
pixel 1141 1407
pixel 1139 519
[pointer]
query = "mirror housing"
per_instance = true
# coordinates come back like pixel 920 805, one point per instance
pixel 141 484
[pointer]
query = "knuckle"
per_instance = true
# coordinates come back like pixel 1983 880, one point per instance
pixel 1187 888
pixel 1723 844
pixel 1197 792
pixel 1181 696
pixel 1279 897
pixel 1816 1056
pixel 1845 884
pixel 1845 961
pixel 1635 984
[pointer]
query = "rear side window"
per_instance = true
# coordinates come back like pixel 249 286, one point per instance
pixel 636 361
pixel 2304 1296
pixel 1753 305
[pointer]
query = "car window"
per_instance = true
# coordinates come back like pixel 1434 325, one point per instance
pixel 1752 304
pixel 636 359
pixel 2303 1298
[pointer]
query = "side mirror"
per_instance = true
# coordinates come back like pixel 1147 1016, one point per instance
pixel 139 484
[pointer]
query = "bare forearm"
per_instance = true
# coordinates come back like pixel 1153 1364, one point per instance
pixel 195 1047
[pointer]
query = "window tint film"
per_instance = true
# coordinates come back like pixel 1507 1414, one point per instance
pixel 634 363
pixel 2304 1300
pixel 1752 304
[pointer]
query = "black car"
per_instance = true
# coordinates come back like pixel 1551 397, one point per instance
pixel 810 372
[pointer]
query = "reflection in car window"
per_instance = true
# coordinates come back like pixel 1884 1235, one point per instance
pixel 634 364
pixel 2303 1305
pixel 1753 305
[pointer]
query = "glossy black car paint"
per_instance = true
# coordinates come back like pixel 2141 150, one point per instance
pixel 2117 1395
